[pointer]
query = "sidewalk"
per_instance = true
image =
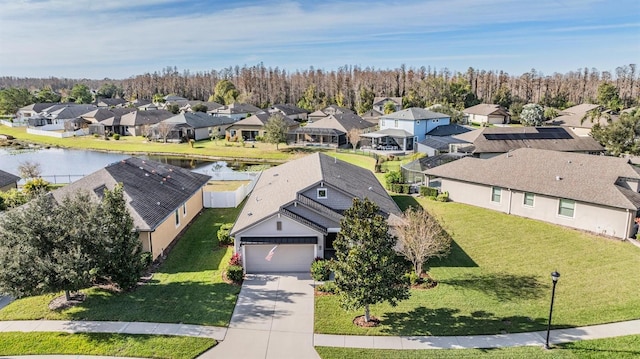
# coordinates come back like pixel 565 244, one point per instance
pixel 187 330
pixel 556 336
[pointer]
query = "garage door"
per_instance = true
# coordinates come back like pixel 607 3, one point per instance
pixel 285 258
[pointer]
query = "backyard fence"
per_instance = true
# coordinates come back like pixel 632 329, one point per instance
pixel 230 199
pixel 81 132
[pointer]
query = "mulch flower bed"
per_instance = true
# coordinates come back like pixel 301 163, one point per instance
pixel 426 282
pixel 359 321
pixel 61 302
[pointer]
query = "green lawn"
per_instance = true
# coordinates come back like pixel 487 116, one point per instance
pixel 143 346
pixel 187 288
pixel 621 347
pixel 497 279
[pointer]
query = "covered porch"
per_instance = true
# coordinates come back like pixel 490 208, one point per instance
pixel 391 140
pixel 313 136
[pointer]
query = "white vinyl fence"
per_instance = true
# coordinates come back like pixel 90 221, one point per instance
pixel 81 132
pixel 230 199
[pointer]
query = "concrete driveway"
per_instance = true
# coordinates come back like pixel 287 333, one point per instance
pixel 273 318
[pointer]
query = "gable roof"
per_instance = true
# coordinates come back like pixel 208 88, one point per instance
pixel 110 101
pixel 153 190
pixel 504 139
pixel 382 100
pixel 576 176
pixel 147 117
pixel 575 117
pixel 236 108
pixel 260 119
pixel 342 122
pixel 449 130
pixel 440 142
pixel 486 109
pixel 7 178
pixel 279 186
pixel 288 109
pixel 198 119
pixel 38 107
pixel 336 110
pixel 102 113
pixel 68 111
pixel 415 113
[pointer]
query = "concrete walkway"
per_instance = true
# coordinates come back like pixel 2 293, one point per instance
pixel 556 336
pixel 273 318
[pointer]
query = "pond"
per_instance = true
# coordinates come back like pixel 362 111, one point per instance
pixel 59 165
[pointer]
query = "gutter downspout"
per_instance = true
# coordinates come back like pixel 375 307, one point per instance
pixel 627 225
pixel 510 195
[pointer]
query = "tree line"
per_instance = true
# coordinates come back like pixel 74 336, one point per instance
pixel 355 87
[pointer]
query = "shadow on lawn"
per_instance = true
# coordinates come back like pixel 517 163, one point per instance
pixel 504 287
pixel 447 321
pixel 183 302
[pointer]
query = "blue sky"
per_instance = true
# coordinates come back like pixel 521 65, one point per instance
pixel 122 38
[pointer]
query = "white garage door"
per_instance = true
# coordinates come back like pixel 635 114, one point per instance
pixel 285 258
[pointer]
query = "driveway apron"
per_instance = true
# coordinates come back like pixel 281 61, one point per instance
pixel 273 318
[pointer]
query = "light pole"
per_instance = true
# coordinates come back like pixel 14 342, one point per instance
pixel 554 277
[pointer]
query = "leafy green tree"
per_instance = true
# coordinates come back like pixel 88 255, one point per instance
pixel 47 95
pixel 35 186
pixel 174 108
pixel 11 99
pixel 365 102
pixel 120 260
pixel 609 97
pixel 459 95
pixel 389 107
pixel 516 109
pixel 110 90
pixel 309 100
pixel 532 115
pixel 225 92
pixel 200 108
pixel 456 115
pixel 502 97
pixel 80 93
pixel 158 98
pixel 413 99
pixel 367 269
pixel 275 130
pixel 620 136
pixel 12 198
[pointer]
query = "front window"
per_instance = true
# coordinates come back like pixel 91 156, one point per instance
pixel 184 209
pixel 395 123
pixel 566 207
pixel 528 199
pixel 177 215
pixel 322 193
pixel 496 193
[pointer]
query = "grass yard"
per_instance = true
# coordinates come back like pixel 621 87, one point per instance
pixel 187 288
pixel 497 280
pixel 142 346
pixel 223 186
pixel 621 347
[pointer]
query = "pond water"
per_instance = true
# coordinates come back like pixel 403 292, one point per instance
pixel 59 165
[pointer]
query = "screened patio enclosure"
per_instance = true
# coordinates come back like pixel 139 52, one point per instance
pixel 314 136
pixel 391 139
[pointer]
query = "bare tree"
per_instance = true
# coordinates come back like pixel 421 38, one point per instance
pixel 421 237
pixel 28 169
pixel 354 137
pixel 164 129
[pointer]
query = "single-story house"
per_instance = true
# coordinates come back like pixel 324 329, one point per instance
pixel 192 125
pixel 372 116
pixel 33 110
pixel 435 145
pixel 110 102
pixel 291 111
pixel 486 113
pixel 138 123
pixel 8 181
pixel 332 130
pixel 236 111
pixel 162 199
pixel 380 102
pixel 293 214
pixel 593 193
pixel 493 141
pixel 106 120
pixel 254 125
pixel 327 111
pixel 210 105
pixel 578 120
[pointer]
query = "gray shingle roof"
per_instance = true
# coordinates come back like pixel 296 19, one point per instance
pixel 279 186
pixel 288 109
pixel 440 142
pixel 449 130
pixel 486 109
pixel 7 178
pixel 415 113
pixel 575 117
pixel 342 122
pixel 576 176
pixel 383 100
pixel 148 117
pixel 260 119
pixel 153 190
pixel 198 120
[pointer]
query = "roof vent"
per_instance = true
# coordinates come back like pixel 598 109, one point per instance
pixel 158 203
pixel 275 175
pixel 146 175
pixel 558 178
pixel 569 161
pixel 249 214
pixel 370 188
pixel 141 168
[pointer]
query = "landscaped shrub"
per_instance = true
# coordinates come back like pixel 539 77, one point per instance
pixel 426 191
pixel 320 269
pixel 413 278
pixel 235 273
pixel 235 260
pixel 116 137
pixel 327 287
pixel 223 234
pixel 391 178
pixel 443 197
pixel 259 138
pixel 146 258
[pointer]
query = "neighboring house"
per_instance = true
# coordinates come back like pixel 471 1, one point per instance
pixel 106 120
pixel 294 212
pixel 492 141
pixel 162 199
pixel 592 193
pixel 210 106
pixel 110 102
pixel 236 111
pixel 486 113
pixel 329 110
pixel 8 181
pixel 59 114
pixel 380 102
pixel 254 126
pixel 403 129
pixel 33 110
pixel 138 123
pixel 192 125
pixel 291 111
pixel 142 104
pixel 332 130
pixel 372 116
pixel 435 145
pixel 577 119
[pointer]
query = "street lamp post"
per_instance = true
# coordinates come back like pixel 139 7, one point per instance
pixel 554 277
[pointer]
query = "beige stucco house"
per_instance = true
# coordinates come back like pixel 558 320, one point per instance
pixel 486 113
pixel 295 209
pixel 598 194
pixel 161 198
pixel 577 119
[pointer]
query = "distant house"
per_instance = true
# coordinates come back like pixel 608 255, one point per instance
pixel 331 130
pixel 137 123
pixel 162 199
pixel 33 110
pixel 236 111
pixel 254 126
pixel 493 141
pixel 372 116
pixel 403 129
pixel 291 111
pixel 577 119
pixel 329 110
pixel 294 212
pixel 380 102
pixel 8 181
pixel 209 105
pixel 110 102
pixel 193 125
pixel 142 104
pixel 485 113
pixel 106 120
pixel 58 114
pixel 592 193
